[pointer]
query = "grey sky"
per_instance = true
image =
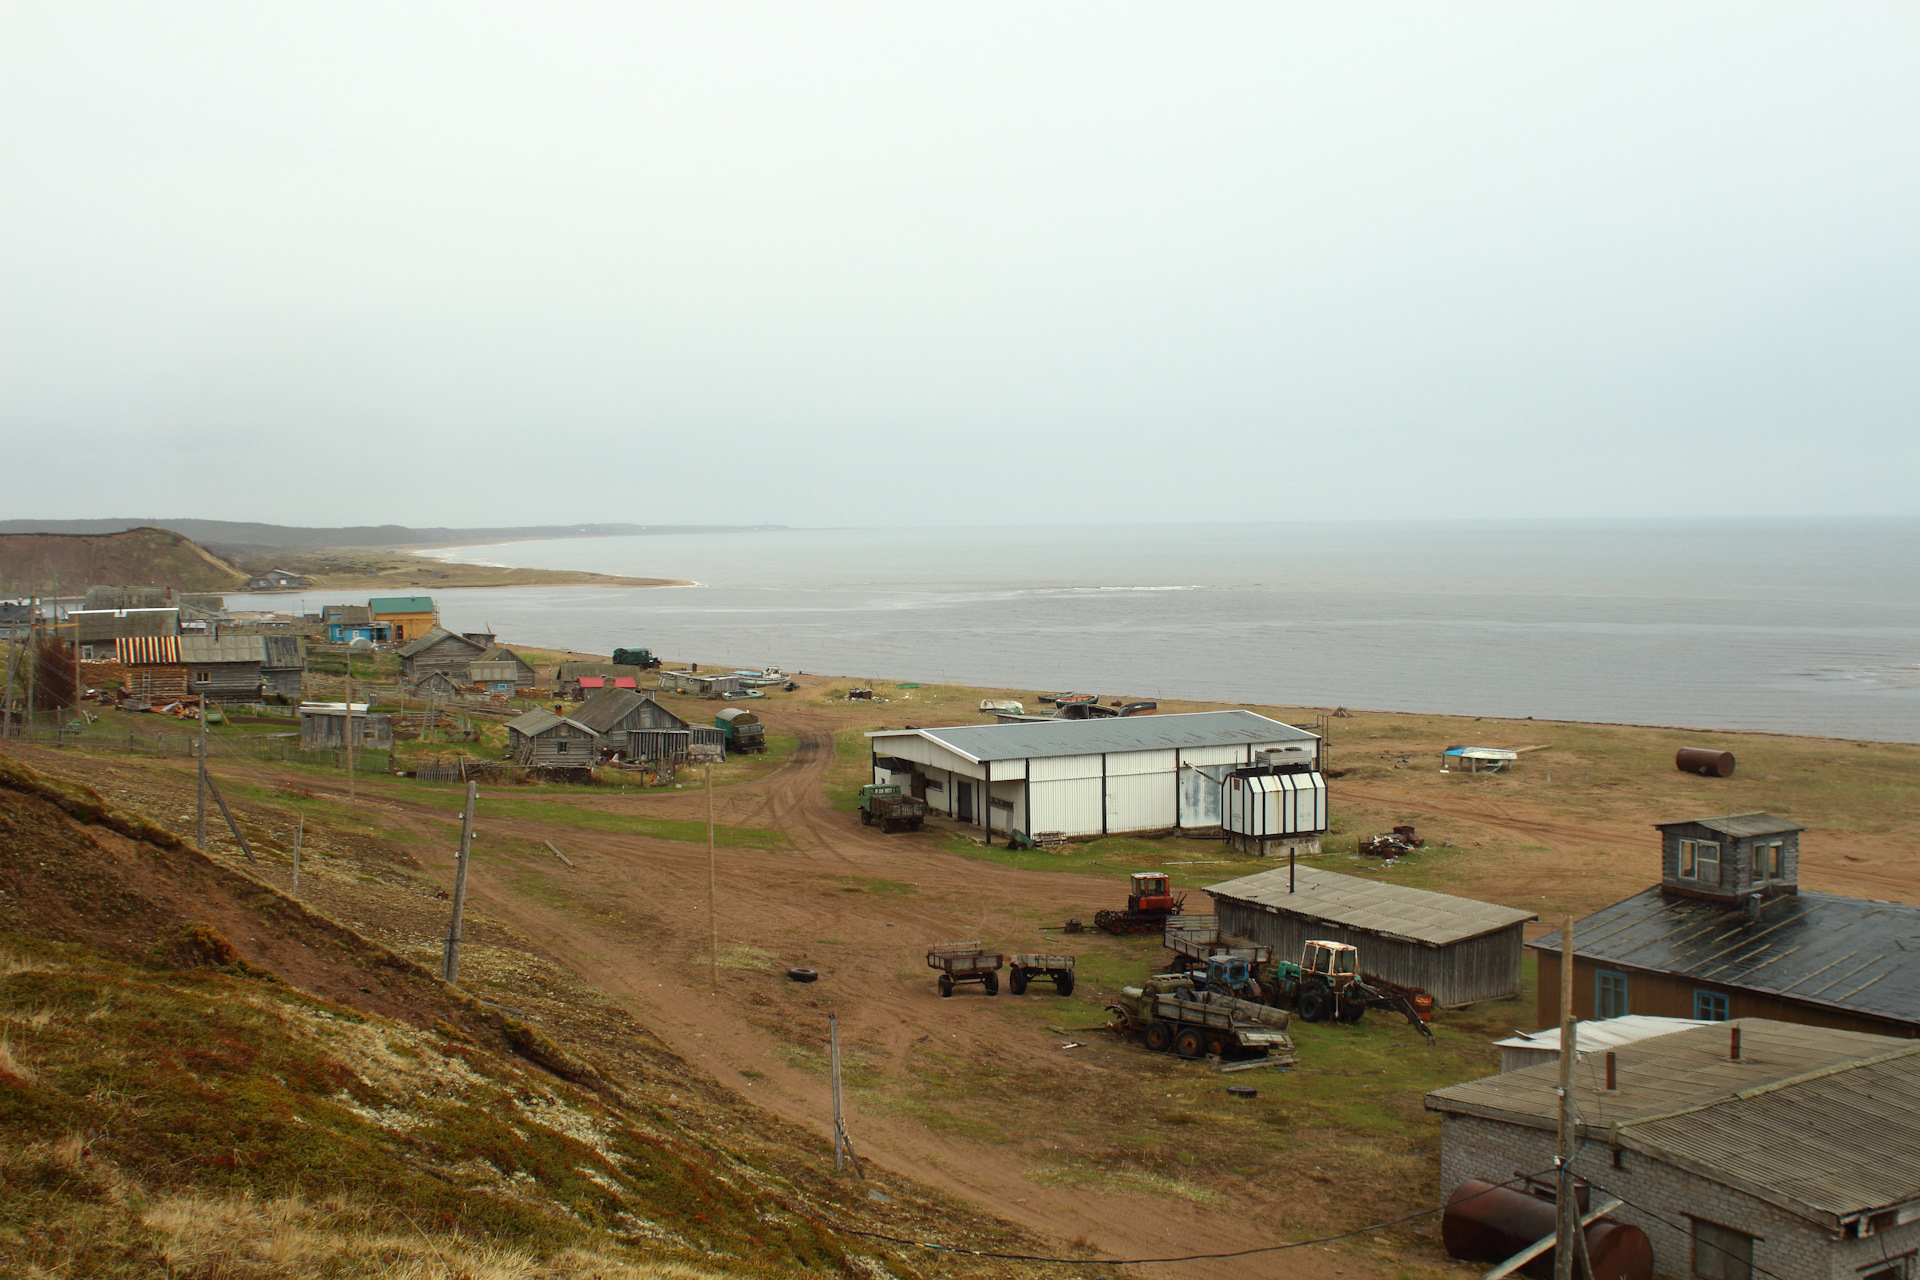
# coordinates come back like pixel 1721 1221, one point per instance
pixel 913 263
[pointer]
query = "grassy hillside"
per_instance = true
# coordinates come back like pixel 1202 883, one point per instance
pixel 36 562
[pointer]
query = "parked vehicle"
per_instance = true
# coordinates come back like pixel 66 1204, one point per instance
pixel 1327 983
pixel 963 962
pixel 1027 968
pixel 1196 940
pixel 883 802
pixel 641 658
pixel 743 729
pixel 1173 1015
pixel 1149 903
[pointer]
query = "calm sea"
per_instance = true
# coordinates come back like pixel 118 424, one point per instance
pixel 1791 627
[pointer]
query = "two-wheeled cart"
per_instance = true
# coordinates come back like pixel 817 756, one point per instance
pixel 963 962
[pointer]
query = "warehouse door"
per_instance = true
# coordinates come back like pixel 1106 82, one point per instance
pixel 963 802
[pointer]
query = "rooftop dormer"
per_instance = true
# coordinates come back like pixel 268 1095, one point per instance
pixel 1729 858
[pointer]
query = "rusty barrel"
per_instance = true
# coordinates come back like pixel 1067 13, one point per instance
pixel 1488 1223
pixel 1704 761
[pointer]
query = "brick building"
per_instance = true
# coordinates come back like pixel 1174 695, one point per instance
pixel 1747 1149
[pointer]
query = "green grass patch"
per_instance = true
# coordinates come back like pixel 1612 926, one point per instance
pixel 564 813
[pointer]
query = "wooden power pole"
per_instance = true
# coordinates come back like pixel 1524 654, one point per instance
pixel 349 730
pixel 1566 1210
pixel 451 970
pixel 200 796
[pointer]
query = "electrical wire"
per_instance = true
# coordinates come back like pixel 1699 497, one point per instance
pixel 1189 1257
pixel 1697 1241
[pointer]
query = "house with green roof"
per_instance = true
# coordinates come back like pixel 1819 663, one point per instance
pixel 410 617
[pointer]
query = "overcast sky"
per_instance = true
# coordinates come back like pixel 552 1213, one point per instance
pixel 967 263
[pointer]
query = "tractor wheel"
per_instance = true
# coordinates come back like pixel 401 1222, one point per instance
pixel 1270 994
pixel 1314 1002
pixel 1063 985
pixel 916 824
pixel 1017 982
pixel 1189 1043
pixel 1108 921
pixel 1351 1011
pixel 866 818
pixel 992 983
pixel 1159 1036
pixel 946 985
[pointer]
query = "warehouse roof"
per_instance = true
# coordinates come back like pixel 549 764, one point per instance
pixel 110 624
pixel 401 604
pixel 1391 910
pixel 223 649
pixel 1030 741
pixel 1820 1122
pixel 1738 825
pixel 1820 948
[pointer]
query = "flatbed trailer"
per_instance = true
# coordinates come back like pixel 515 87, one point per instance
pixel 1028 967
pixel 963 962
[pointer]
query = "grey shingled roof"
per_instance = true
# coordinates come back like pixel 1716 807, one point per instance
pixel 1037 740
pixel 538 721
pixel 433 638
pixel 95 626
pixel 1822 948
pixel 1738 826
pixel 1391 910
pixel 600 712
pixel 1821 1122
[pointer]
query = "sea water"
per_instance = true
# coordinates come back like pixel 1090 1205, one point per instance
pixel 1792 627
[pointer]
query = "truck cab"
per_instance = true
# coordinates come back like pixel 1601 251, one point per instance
pixel 1335 963
pixel 1149 892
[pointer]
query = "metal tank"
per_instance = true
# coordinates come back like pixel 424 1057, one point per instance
pixel 1486 1222
pixel 1704 761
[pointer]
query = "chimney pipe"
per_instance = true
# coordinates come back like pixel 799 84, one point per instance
pixel 1733 1047
pixel 1610 1072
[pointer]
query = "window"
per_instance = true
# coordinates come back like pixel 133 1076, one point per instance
pixel 1900 1268
pixel 1710 1006
pixel 203 677
pixel 1700 860
pixel 1609 994
pixel 562 746
pixel 1769 861
pixel 1720 1253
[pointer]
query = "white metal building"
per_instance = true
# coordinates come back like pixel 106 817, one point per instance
pixel 1125 775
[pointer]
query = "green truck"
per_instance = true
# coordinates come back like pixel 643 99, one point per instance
pixel 885 804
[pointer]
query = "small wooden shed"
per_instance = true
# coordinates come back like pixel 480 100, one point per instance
pixel 541 739
pixel 1459 950
pixel 223 666
pixel 438 650
pixel 324 725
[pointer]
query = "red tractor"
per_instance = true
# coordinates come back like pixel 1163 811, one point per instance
pixel 1148 905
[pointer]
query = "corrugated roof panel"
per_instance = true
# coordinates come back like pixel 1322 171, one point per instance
pixel 1418 915
pixel 401 604
pixel 222 649
pixel 1038 740
pixel 1738 825
pixel 1849 953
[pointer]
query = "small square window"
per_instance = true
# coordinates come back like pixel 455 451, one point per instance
pixel 1710 1006
pixel 1721 1253
pixel 1769 861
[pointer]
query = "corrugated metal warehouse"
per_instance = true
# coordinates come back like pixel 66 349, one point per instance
pixel 1087 777
pixel 1457 949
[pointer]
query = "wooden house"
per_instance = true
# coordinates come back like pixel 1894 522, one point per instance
pixel 349 622
pixel 410 617
pixel 223 666
pixel 611 713
pixel 540 739
pixel 1729 933
pixel 485 639
pixel 1459 950
pixel 502 670
pixel 276 580
pixel 151 667
pixel 437 685
pixel 100 629
pixel 438 650
pixel 283 665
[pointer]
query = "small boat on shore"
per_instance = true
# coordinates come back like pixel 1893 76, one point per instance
pixel 765 679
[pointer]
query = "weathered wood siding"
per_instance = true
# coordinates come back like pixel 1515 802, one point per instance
pixel 225 679
pixel 1664 995
pixel 1461 973
pixel 562 746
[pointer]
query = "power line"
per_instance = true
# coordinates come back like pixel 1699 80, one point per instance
pixel 1697 1241
pixel 1188 1257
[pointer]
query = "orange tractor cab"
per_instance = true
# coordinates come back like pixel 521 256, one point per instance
pixel 1149 903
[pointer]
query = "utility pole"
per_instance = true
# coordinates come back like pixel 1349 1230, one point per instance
pixel 839 1126
pixel 1566 1211
pixel 200 796
pixel 349 734
pixel 33 657
pixel 713 897
pixel 451 970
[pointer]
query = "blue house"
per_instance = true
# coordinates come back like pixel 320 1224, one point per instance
pixel 348 622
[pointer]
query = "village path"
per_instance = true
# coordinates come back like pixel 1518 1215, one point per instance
pixel 861 907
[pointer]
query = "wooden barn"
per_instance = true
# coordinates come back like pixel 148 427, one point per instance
pixel 324 725
pixel 152 667
pixel 541 739
pixel 410 617
pixel 503 669
pixel 1459 950
pixel 663 737
pixel 612 713
pixel 438 650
